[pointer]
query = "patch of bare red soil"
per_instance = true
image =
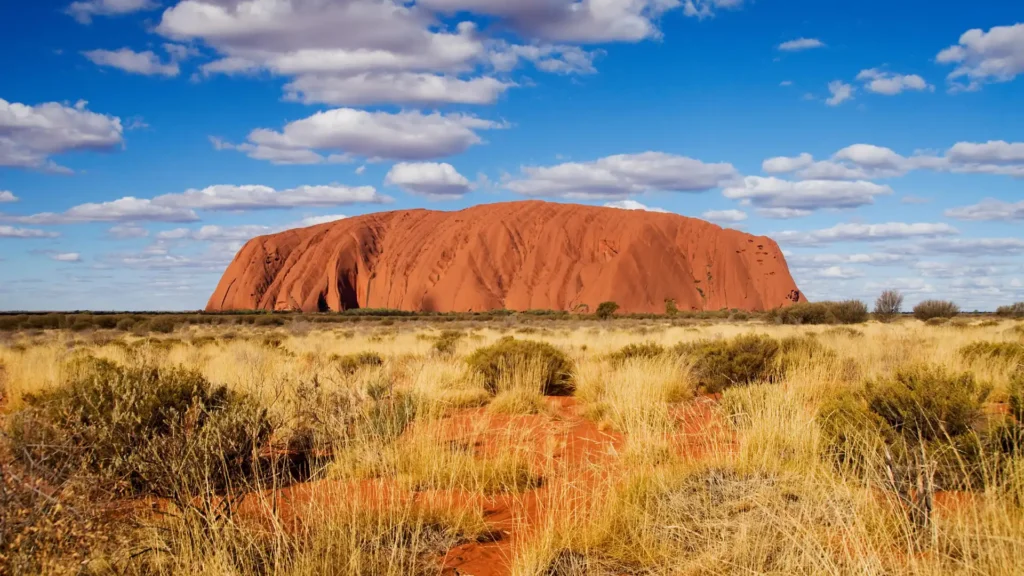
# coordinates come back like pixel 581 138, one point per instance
pixel 574 456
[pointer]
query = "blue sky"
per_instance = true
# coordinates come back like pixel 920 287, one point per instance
pixel 142 141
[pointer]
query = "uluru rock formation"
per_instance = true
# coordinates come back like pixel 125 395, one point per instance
pixel 515 255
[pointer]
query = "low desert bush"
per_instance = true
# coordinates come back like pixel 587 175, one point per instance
pixel 1011 311
pixel 719 364
pixel 1016 396
pixel 644 350
pixel 606 310
pixel 351 363
pixel 845 312
pixel 56 531
pixel 930 309
pixel 141 430
pixel 921 419
pixel 496 363
pixel 986 350
pixel 447 343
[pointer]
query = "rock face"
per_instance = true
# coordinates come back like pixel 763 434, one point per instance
pixel 515 255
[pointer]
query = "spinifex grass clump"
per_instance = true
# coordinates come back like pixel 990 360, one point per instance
pixel 802 350
pixel 719 364
pixel 447 343
pixel 141 430
pixel 352 363
pixel 554 368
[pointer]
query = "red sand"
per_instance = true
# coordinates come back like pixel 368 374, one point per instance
pixel 581 452
pixel 515 255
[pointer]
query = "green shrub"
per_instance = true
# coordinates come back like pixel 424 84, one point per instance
pixel 845 312
pixel 849 311
pixel 606 310
pixel 1011 311
pixel 928 403
pixel 924 416
pixel 268 320
pixel 984 350
pixel 1016 396
pixel 670 307
pixel 125 324
pixel 141 430
pixel 351 363
pixel 447 343
pixel 494 363
pixel 645 350
pixel 719 364
pixel 160 325
pixel 930 309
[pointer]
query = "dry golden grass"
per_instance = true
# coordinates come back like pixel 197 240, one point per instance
pixel 404 457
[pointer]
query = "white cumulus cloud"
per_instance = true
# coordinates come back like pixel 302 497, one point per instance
pixel 891 83
pixel 30 135
pixel 805 195
pixel 621 176
pixel 182 207
pixel 801 44
pixel 840 91
pixel 346 132
pixel 633 205
pixel 866 233
pixel 724 216
pixel 85 10
pixel 988 210
pixel 981 57
pixel 11 232
pixel 66 257
pixel 431 179
pixel 145 63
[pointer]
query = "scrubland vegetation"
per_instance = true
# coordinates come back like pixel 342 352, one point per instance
pixel 804 441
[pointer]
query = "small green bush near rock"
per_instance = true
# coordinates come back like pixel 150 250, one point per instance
pixel 846 312
pixel 644 350
pixel 606 310
pixel 141 430
pixel 495 362
pixel 719 364
pixel 930 309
